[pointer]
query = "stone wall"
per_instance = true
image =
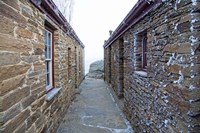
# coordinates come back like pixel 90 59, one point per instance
pixel 23 96
pixel 165 97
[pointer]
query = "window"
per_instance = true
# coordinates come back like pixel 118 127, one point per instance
pixel 140 51
pixel 49 59
pixel 69 63
pixel 144 51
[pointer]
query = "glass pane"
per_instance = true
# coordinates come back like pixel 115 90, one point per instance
pixel 49 52
pixel 47 67
pixel 45 51
pixel 47 79
pixel 49 38
pixel 45 36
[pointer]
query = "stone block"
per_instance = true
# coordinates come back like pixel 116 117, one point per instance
pixel 33 118
pixel 11 13
pixel 28 101
pixel 7 72
pixel 32 129
pixel 32 22
pixel 40 121
pixel 184 27
pixel 22 32
pixel 9 43
pixel 184 48
pixel 11 84
pixel 7 58
pixel 12 3
pixel 16 122
pixel 14 97
pixel 6 26
pixel 39 66
pixel 11 113
pixel 173 68
pixel 30 59
pixel 26 11
pixel 194 94
pixel 21 128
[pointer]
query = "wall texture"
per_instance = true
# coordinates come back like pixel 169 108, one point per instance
pixel 23 96
pixel 166 96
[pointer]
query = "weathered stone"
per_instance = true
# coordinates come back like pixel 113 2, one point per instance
pixel 96 69
pixel 7 58
pixel 194 94
pixel 32 129
pixel 28 101
pixel 14 97
pixel 11 113
pixel 24 33
pixel 11 84
pixel 178 48
pixel 12 125
pixel 174 68
pixel 26 11
pixel 39 90
pixel 33 118
pixel 38 51
pixel 21 129
pixel 40 121
pixel 7 72
pixel 184 27
pixel 11 14
pixel 180 91
pixel 7 26
pixel 8 43
pixel 30 59
pixel 12 3
pixel 32 22
pixel 39 66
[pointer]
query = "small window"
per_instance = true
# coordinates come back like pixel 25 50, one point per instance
pixel 140 51
pixel 144 51
pixel 69 63
pixel 48 59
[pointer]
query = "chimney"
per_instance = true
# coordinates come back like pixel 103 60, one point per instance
pixel 110 32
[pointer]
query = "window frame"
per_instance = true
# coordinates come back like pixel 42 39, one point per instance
pixel 144 51
pixel 69 52
pixel 50 61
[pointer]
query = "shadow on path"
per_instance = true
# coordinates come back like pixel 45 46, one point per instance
pixel 94 111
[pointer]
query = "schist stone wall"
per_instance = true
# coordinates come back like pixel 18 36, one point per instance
pixel 23 97
pixel 166 96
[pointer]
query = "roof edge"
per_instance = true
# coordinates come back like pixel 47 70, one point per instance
pixel 136 13
pixel 49 8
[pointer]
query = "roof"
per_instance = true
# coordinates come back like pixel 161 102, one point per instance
pixel 49 8
pixel 141 8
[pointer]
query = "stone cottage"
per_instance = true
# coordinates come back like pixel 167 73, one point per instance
pixel 152 61
pixel 41 65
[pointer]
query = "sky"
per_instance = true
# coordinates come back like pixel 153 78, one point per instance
pixel 92 20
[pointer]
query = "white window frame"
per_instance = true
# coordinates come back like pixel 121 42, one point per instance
pixel 48 60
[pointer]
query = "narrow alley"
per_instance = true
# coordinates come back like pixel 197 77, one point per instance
pixel 94 111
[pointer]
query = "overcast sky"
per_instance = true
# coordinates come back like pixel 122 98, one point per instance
pixel 92 20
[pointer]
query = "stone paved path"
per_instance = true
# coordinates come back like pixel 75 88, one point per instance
pixel 94 111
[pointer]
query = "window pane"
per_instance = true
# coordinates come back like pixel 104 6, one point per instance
pixel 45 51
pixel 49 52
pixel 49 39
pixel 48 55
pixel 45 36
pixel 47 67
pixel 47 79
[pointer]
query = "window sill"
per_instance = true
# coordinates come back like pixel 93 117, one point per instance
pixel 141 73
pixel 52 93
